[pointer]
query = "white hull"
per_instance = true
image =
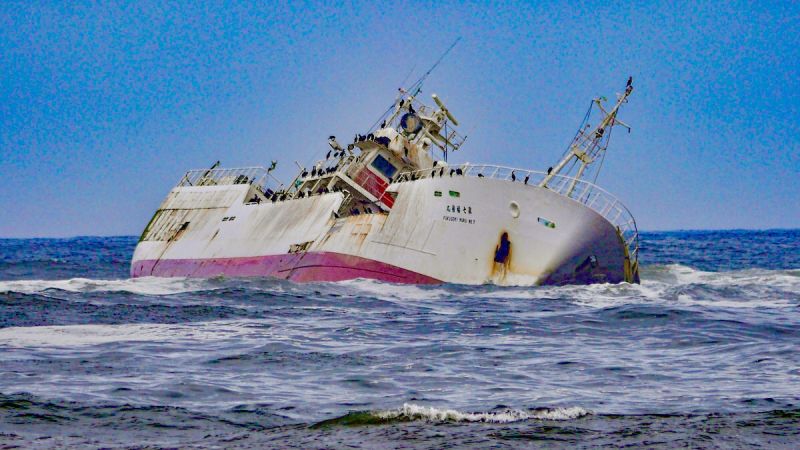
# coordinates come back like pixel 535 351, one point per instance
pixel 454 238
pixel 384 207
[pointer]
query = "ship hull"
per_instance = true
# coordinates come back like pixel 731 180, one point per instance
pixel 305 267
pixel 448 229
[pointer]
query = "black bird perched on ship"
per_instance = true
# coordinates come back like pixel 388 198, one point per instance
pixel 513 176
pixel 334 144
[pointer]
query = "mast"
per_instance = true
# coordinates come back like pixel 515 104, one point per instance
pixel 589 143
pixel 413 91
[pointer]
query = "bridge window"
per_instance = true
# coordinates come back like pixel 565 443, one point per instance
pixel 384 166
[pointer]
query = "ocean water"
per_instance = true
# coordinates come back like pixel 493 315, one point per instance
pixel 705 353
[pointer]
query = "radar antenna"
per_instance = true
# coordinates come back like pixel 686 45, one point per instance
pixel 444 109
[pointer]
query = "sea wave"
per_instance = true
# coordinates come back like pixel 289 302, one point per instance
pixel 679 285
pixel 141 286
pixel 412 412
pixel 681 274
pixel 671 283
pixel 95 334
pixel 429 413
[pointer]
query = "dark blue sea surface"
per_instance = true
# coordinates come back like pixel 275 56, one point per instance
pixel 705 353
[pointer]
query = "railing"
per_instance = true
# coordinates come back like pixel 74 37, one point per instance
pixel 584 192
pixel 258 176
pixel 300 183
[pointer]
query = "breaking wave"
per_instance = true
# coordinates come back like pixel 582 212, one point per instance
pixel 141 286
pixel 61 336
pixel 429 413
pixel 678 284
pixel 672 283
pixel 410 412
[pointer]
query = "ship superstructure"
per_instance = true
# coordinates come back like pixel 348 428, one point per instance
pixel 389 206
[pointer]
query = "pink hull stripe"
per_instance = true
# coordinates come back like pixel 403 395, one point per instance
pixel 301 267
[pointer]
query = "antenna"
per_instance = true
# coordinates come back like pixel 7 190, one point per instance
pixel 417 86
pixel 408 75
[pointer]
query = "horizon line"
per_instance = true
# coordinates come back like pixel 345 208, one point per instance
pixel 677 230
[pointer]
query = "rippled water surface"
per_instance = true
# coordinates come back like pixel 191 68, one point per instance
pixel 704 353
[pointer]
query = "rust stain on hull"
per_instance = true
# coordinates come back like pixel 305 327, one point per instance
pixel 501 260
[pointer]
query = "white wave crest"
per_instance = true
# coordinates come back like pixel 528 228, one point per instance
pixel 144 286
pixel 675 283
pixel 431 414
pixel 378 289
pixel 62 336
pixel 432 298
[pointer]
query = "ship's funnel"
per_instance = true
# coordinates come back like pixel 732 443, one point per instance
pixel 444 109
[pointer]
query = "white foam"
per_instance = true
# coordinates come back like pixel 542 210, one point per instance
pixel 381 290
pixel 438 300
pixel 82 335
pixel 145 285
pixel 661 283
pixel 431 414
pixel 680 274
pixel 759 288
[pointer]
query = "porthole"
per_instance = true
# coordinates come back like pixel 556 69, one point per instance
pixel 514 209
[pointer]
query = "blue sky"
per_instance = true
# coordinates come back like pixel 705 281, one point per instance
pixel 104 105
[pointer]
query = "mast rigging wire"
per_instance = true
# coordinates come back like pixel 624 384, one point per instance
pixel 417 84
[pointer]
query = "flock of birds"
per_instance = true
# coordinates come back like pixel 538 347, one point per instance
pixel 335 158
pixel 459 171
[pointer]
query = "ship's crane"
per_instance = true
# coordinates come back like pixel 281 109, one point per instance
pixel 589 143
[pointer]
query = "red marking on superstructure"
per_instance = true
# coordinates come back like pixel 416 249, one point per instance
pixel 300 267
pixel 387 199
pixel 375 185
